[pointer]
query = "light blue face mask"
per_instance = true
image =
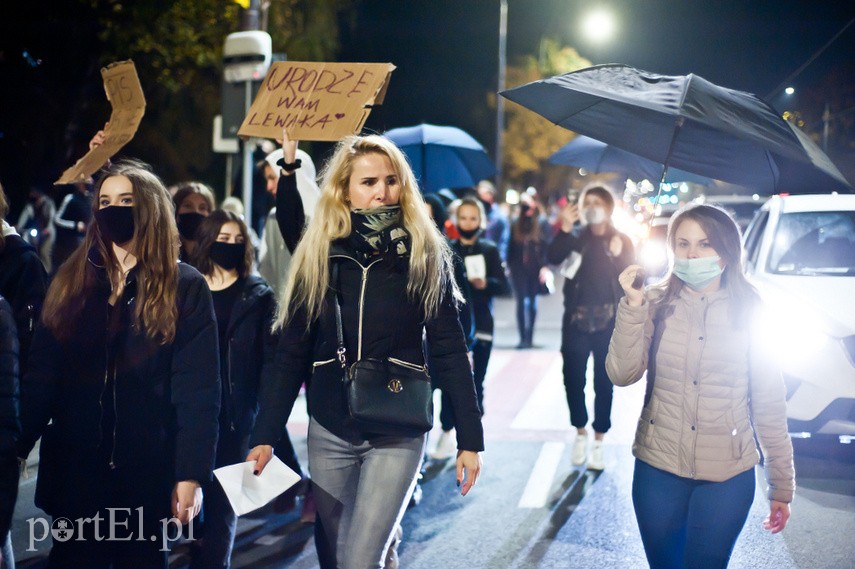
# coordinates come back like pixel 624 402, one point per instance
pixel 697 273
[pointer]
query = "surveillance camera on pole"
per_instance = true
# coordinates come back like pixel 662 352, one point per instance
pixel 246 59
pixel 247 56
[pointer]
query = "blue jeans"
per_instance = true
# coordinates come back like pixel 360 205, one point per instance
pixel 369 482
pixel 686 523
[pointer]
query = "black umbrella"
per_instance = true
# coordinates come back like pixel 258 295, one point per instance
pixel 687 122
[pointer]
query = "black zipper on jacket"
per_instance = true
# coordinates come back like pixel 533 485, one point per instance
pixel 229 381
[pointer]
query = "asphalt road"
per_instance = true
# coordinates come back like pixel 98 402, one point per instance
pixel 532 508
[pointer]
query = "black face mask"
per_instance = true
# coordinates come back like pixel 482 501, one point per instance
pixel 188 224
pixel 228 255
pixel 468 233
pixel 116 223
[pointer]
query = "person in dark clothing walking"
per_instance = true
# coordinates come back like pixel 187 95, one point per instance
pixel 497 228
pixel 396 283
pixel 23 282
pixel 10 428
pixel 71 221
pixel 35 225
pixel 245 307
pixel 484 272
pixel 122 385
pixel 194 201
pixel 530 235
pixel 592 259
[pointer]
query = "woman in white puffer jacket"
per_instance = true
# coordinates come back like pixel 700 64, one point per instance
pixel 711 386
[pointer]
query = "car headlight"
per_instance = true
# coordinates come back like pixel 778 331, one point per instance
pixel 793 333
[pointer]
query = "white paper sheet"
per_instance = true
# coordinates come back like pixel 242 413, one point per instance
pixel 476 267
pixel 571 265
pixel 246 491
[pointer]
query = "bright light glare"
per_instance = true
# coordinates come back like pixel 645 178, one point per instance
pixel 792 333
pixel 512 197
pixel 626 224
pixel 789 90
pixel 654 255
pixel 599 26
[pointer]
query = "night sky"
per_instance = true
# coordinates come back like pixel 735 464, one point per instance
pixel 446 56
pixel 446 50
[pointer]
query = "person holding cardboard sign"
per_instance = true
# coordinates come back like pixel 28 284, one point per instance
pixel 123 385
pixel 372 251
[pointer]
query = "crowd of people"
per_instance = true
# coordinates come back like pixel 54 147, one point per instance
pixel 151 336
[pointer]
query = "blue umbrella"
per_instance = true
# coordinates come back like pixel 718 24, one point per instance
pixel 596 156
pixel 442 156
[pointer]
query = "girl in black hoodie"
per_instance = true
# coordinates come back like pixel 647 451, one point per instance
pixel 245 306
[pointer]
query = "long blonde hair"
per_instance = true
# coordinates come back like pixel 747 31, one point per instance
pixel 155 247
pixel 431 270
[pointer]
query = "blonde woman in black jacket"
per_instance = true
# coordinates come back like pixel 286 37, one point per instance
pixel 395 283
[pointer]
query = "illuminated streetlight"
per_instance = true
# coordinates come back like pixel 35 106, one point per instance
pixel 599 25
pixel 789 90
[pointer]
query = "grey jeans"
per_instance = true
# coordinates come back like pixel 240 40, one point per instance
pixel 370 482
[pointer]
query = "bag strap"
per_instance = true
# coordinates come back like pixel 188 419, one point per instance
pixel 339 331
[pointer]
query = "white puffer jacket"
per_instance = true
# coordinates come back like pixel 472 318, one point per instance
pixel 714 387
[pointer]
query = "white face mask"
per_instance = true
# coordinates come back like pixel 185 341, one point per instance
pixel 595 215
pixel 697 273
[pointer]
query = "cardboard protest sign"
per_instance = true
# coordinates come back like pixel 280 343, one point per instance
pixel 126 97
pixel 315 101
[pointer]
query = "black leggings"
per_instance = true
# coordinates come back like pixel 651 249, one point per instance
pixel 576 346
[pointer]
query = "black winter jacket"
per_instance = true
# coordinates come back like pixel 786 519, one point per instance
pixel 23 283
pixel 596 260
pixel 379 321
pixel 497 282
pixel 249 355
pixel 10 427
pixel 121 406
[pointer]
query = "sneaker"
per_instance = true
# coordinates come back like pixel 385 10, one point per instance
pixel 580 450
pixel 596 462
pixel 446 446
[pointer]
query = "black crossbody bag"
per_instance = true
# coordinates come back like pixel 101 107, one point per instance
pixel 386 397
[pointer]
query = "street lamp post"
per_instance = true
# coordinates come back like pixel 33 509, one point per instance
pixel 500 101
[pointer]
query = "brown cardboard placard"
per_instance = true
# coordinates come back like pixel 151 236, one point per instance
pixel 314 100
pixel 126 97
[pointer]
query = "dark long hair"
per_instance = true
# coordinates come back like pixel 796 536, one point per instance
pixel 155 247
pixel 206 236
pixel 723 235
